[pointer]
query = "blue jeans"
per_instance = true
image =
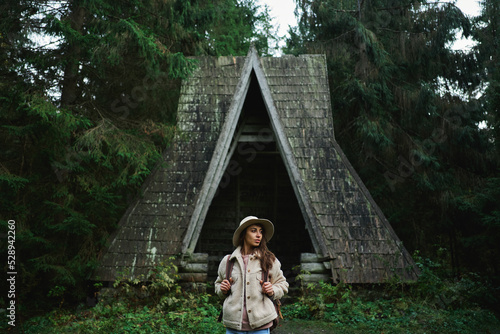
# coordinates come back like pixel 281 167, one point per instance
pixel 233 331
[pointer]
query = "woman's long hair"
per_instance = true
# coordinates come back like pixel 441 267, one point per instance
pixel 265 256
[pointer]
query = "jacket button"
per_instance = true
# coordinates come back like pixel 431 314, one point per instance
pixel 248 283
pixel 249 311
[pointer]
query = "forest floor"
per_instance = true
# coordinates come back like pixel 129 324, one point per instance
pixel 296 326
pixel 441 307
pixel 302 327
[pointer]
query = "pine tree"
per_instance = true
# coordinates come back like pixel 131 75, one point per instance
pixel 488 50
pixel 404 109
pixel 89 92
pixel 481 206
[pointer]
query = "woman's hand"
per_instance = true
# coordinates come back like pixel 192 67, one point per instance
pixel 267 288
pixel 225 286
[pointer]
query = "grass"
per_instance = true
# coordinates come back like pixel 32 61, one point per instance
pixel 297 326
pixel 120 318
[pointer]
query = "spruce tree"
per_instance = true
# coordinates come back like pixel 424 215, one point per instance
pixel 481 206
pixel 404 109
pixel 89 92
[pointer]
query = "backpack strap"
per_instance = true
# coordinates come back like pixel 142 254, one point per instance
pixel 265 276
pixel 229 267
pixel 229 270
pixel 276 302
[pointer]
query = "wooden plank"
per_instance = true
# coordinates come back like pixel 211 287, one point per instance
pixel 314 268
pixel 197 258
pixel 315 278
pixel 193 277
pixel 194 268
pixel 309 258
pixel 251 138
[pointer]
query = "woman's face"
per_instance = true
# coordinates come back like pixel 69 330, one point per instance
pixel 253 236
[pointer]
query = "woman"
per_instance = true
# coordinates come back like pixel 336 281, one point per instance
pixel 248 306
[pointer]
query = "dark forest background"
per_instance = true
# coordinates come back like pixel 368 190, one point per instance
pixel 88 94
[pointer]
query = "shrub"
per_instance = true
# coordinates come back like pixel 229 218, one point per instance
pixel 432 304
pixel 162 306
pixel 133 306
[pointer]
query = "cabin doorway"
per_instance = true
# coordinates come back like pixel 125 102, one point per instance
pixel 262 189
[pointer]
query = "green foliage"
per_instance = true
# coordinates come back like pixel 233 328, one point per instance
pixel 407 115
pixel 239 25
pixel 438 288
pixel 85 118
pixel 84 121
pixel 487 50
pixel 433 304
pixel 317 299
pixel 162 306
pixel 162 287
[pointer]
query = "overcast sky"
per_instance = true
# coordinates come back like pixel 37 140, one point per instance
pixel 282 10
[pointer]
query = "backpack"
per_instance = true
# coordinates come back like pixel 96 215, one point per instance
pixel 265 277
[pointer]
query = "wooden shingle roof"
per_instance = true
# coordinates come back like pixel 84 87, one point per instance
pixel 345 225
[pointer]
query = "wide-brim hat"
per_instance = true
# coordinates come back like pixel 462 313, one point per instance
pixel 251 220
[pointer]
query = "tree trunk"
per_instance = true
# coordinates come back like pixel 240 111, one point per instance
pixel 70 81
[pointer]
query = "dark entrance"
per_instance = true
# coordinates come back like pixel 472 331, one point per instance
pixel 255 183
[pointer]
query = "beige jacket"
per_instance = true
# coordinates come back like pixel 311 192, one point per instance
pixel 260 308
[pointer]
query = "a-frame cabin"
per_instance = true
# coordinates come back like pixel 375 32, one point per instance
pixel 256 138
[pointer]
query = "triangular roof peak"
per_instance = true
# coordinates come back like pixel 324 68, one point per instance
pixel 224 149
